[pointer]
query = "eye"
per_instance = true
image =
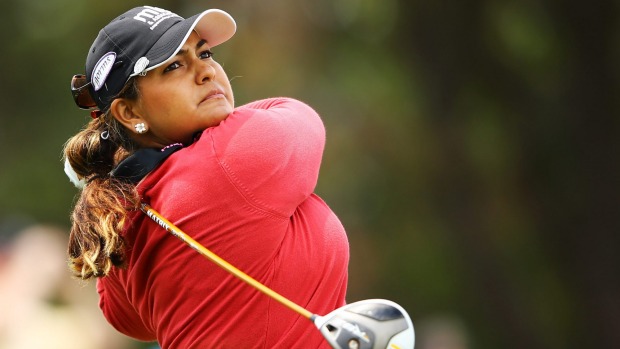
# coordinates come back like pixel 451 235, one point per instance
pixel 172 66
pixel 206 54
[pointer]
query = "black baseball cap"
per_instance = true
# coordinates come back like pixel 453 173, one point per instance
pixel 137 41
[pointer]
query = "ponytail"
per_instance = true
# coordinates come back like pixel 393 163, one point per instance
pixel 100 212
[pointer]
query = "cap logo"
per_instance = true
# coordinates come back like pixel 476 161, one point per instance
pixel 153 16
pixel 102 70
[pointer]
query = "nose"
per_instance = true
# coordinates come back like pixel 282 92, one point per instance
pixel 205 71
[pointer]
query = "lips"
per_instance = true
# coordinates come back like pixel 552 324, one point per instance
pixel 213 94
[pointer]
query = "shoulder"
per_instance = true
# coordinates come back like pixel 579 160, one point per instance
pixel 277 103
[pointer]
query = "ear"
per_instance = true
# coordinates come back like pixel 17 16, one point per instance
pixel 126 112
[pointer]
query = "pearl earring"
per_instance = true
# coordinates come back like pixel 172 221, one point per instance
pixel 140 128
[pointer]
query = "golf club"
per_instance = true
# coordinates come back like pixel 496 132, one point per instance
pixel 367 324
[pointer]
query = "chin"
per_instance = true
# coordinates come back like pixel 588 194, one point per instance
pixel 222 113
pixel 219 111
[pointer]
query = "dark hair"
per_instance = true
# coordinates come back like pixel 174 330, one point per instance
pixel 100 211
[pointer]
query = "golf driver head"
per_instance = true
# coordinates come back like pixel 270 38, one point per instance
pixel 368 324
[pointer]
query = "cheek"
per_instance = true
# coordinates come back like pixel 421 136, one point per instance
pixel 231 99
pixel 224 83
pixel 157 101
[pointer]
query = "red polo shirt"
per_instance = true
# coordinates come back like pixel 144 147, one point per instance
pixel 245 191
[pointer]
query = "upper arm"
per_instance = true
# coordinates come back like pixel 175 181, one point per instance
pixel 119 312
pixel 273 152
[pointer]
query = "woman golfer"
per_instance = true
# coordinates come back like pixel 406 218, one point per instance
pixel 239 180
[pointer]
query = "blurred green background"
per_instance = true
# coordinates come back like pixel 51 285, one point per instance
pixel 471 154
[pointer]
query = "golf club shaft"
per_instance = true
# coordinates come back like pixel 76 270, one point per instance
pixel 174 230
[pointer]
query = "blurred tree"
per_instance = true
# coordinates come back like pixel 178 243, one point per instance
pixel 522 97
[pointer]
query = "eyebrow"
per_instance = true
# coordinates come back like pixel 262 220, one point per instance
pixel 199 44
